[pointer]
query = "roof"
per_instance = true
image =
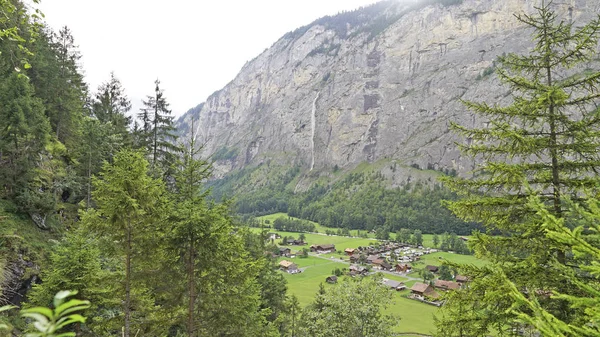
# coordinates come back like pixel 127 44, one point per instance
pixel 419 287
pixel 349 250
pixel 331 278
pixel 327 246
pixel 283 249
pixel 378 261
pixel 372 257
pixel 286 263
pixel 432 268
pixel 393 284
pixel 448 285
pixel 386 265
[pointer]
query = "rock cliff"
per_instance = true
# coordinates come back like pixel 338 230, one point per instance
pixel 380 82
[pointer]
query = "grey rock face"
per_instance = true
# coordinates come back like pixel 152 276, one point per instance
pixel 386 88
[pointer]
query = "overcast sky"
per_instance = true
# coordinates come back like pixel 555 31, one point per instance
pixel 193 47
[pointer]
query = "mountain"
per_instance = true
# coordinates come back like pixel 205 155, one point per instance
pixel 378 84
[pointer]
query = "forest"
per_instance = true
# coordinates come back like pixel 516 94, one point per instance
pixel 112 223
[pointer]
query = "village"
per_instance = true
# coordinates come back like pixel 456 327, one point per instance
pixel 388 258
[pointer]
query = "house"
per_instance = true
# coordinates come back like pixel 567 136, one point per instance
pixel 298 242
pixel 372 258
pixel 289 267
pixel 273 236
pixel 331 279
pixel 327 248
pixel 283 251
pixel 350 251
pixel 446 285
pixel 423 291
pixel 461 279
pixel 386 266
pixel 402 268
pixel 394 284
pixel 358 270
pixel 432 269
pixel 354 258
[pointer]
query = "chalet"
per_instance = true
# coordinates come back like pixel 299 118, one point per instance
pixel 381 264
pixel 283 251
pixel 394 284
pixel 354 258
pixel 297 242
pixel 446 285
pixel 331 279
pixel 432 269
pixel 350 251
pixel 328 248
pixel 461 279
pixel 358 270
pixel 423 291
pixel 403 268
pixel 372 258
pixel 289 267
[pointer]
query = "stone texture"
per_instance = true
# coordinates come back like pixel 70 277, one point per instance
pixel 391 96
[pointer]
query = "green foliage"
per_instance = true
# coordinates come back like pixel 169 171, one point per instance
pixel 157 135
pixel 545 145
pixel 48 322
pixel 293 225
pixel 353 307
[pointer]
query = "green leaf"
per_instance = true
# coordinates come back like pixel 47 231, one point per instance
pixel 71 306
pixel 37 310
pixel 61 295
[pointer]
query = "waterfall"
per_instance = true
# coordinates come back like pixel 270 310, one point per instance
pixel 312 130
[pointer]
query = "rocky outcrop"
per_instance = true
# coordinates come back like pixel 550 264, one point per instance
pixel 381 82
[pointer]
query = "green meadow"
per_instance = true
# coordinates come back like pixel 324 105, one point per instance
pixel 415 317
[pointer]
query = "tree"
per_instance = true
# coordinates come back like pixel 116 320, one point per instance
pixel 436 240
pixel 528 308
pixel 445 273
pixel 426 275
pixel 24 134
pixel 128 220
pixel 545 144
pixel 329 314
pixel 111 105
pixel 302 237
pixel 417 237
pixel 403 235
pixel 157 132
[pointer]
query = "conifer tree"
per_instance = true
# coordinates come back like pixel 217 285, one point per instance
pixel 111 105
pixel 544 143
pixel 129 221
pixel 157 132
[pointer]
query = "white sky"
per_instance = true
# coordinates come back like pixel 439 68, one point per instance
pixel 193 47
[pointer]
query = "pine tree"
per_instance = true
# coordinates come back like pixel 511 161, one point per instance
pixel 544 143
pixel 157 131
pixel 129 220
pixel 111 105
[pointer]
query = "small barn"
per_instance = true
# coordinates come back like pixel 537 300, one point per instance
pixel 331 279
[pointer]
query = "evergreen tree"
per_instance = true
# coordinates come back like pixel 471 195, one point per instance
pixel 544 143
pixel 111 105
pixel 24 134
pixel 157 132
pixel 129 222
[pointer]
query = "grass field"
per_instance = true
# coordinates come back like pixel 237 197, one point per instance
pixel 414 316
pixel 427 238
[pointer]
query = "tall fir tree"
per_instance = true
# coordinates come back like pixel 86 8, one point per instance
pixel 544 143
pixel 129 220
pixel 111 105
pixel 157 133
